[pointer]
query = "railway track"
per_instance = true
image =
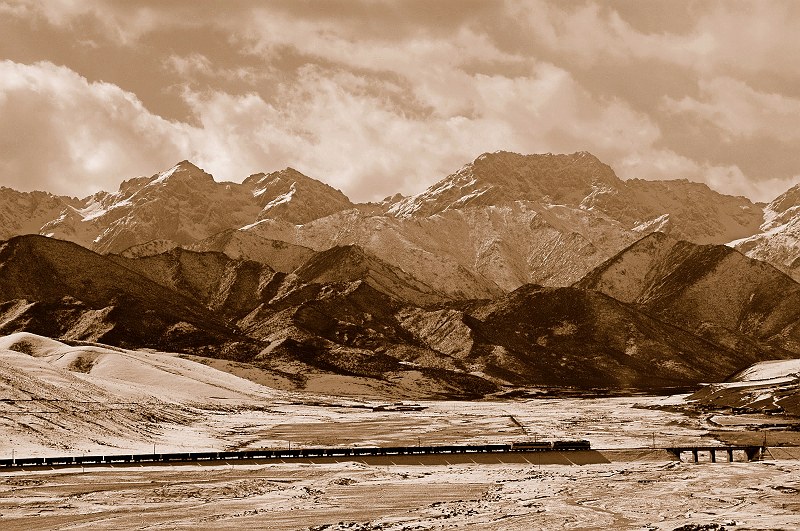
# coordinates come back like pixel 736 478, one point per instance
pixel 300 453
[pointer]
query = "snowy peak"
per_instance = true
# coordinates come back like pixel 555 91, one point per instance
pixel 580 181
pixel 183 172
pixel 783 209
pixel 501 178
pixel 289 195
pixel 185 204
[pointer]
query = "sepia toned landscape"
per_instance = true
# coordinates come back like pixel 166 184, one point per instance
pixel 399 265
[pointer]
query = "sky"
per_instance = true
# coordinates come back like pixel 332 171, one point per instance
pixel 379 97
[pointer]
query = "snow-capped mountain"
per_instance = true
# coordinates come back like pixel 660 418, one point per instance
pixel 508 219
pixel 27 212
pixel 290 196
pixel 465 287
pixel 778 242
pixel 184 204
pixel 499 222
pixel 580 181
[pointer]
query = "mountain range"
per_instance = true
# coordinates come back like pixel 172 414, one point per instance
pixel 516 270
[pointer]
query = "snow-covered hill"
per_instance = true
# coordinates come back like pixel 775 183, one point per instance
pixel 59 398
pixel 767 386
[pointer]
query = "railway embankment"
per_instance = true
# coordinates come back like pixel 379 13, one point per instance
pixel 403 456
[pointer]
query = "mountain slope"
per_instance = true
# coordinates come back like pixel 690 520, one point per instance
pixel 346 313
pixel 27 212
pixel 421 249
pixel 230 288
pixel 702 287
pixel 280 256
pixel 581 181
pixel 778 241
pixel 350 263
pixel 471 253
pixel 290 196
pixel 568 334
pixel 59 289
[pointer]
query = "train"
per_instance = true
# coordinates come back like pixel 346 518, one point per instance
pixel 298 453
pixel 527 446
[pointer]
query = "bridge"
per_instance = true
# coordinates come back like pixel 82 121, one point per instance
pixel 753 453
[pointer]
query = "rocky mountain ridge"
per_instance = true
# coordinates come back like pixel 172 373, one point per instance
pixel 499 222
pixel 688 210
pixel 778 241
pixel 711 290
pixel 183 204
pixel 345 312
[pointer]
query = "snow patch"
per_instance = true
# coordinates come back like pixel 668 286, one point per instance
pixel 283 198
pixel 768 370
pixel 163 176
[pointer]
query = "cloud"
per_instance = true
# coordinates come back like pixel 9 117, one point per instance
pixel 332 124
pixel 62 133
pixel 376 99
pixel 738 110
pixel 712 38
pixel 665 164
pixel 340 126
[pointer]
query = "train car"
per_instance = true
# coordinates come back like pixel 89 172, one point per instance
pixel 526 446
pixel 572 445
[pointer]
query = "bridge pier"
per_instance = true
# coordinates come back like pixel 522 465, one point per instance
pixel 730 455
pixel 694 455
pixel 713 456
pixel 753 453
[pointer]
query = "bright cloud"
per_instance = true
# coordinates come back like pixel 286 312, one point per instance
pixel 740 111
pixel 376 98
pixel 65 134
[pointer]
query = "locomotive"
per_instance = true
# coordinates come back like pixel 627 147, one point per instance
pixel 527 446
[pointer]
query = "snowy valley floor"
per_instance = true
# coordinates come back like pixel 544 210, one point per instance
pixel 638 489
pixel 629 495
pixel 71 400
